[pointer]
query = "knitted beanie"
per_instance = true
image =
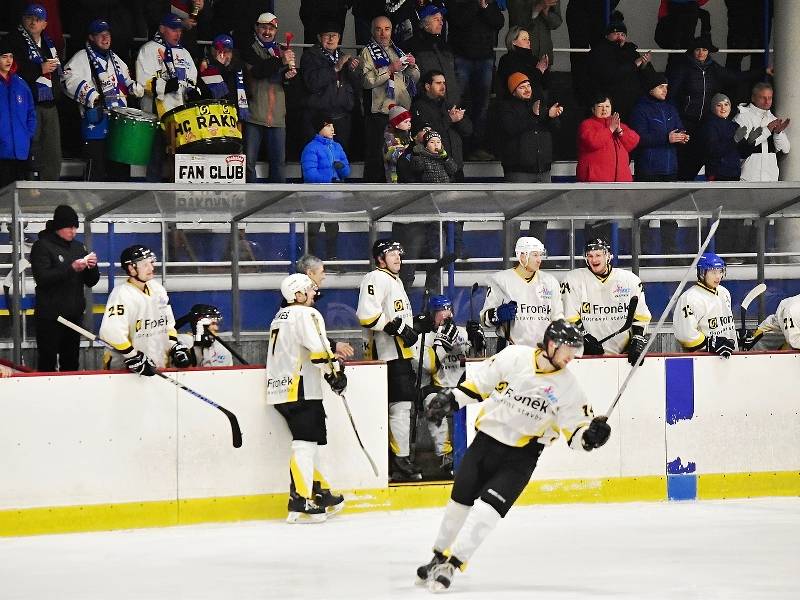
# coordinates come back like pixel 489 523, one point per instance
pixel 515 79
pixel 397 114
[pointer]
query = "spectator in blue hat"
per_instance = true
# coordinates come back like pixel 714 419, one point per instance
pixel 166 70
pixel 39 65
pixel 196 17
pixel 430 48
pixel 222 75
pixel 17 119
pixel 99 80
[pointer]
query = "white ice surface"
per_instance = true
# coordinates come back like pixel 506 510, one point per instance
pixel 695 550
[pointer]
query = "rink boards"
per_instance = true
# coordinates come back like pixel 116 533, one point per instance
pixel 107 450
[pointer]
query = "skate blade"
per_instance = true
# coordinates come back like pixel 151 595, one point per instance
pixel 300 518
pixel 437 586
pixel 334 510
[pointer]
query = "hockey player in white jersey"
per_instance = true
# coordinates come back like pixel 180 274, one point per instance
pixel 384 312
pixel 138 319
pixel 596 299
pixel 528 399
pixel 205 350
pixel 298 358
pixel 443 366
pixel 521 302
pixel 786 320
pixel 703 319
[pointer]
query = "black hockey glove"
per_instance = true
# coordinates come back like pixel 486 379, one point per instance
pixel 404 332
pixel 441 405
pixel 423 323
pixel 476 337
pixel 171 86
pixel 721 346
pixel 140 364
pixel 503 314
pixel 446 335
pixel 180 356
pixel 592 347
pixel 598 433
pixel 337 381
pixel 636 347
pixel 749 340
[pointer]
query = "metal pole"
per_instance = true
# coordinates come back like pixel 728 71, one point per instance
pixel 451 268
pixel 761 247
pixel 636 243
pixel 293 244
pixel 164 257
pixel 571 244
pixel 16 251
pixel 765 29
pixel 88 316
pixel 508 242
pixel 236 311
pixel 615 242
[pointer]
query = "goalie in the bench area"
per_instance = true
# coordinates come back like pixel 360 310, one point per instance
pixel 204 348
pixel 138 319
pixel 528 399
pixel 596 299
pixel 297 357
pixel 703 320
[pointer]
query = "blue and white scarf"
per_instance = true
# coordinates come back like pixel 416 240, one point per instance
pixel 381 59
pixel 213 78
pixel 115 96
pixel 169 60
pixel 44 83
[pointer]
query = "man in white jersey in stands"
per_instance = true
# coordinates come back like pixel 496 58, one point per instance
pixel 703 320
pixel 528 399
pixel 597 298
pixel 298 358
pixel 384 312
pixel 138 319
pixel 521 302
pixel 443 366
pixel 205 350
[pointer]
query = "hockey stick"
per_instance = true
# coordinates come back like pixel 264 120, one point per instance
pixel 670 305
pixel 472 291
pixel 412 434
pixel 341 395
pixel 235 430
pixel 507 325
pixel 628 319
pixel 748 299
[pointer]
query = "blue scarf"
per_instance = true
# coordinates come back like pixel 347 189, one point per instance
pixel 212 76
pixel 169 61
pixel 114 97
pixel 44 83
pixel 273 49
pixel 381 59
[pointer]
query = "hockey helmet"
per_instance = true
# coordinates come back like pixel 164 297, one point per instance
pixel 205 313
pixel 528 245
pixel 563 332
pixel 709 261
pixel 133 254
pixel 381 247
pixel 297 282
pixel 597 244
pixel 439 302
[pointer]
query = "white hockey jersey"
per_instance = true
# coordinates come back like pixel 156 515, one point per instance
pixel 538 303
pixel 520 402
pixel 444 369
pixel 153 73
pixel 701 313
pixel 601 303
pixel 786 320
pixel 138 319
pixel 82 86
pixel 216 355
pixel 381 298
pixel 762 165
pixel 297 355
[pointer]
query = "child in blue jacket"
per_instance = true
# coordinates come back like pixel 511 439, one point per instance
pixel 17 120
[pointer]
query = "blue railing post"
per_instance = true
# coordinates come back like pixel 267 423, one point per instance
pixel 292 246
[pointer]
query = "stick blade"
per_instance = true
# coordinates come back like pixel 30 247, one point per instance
pixel 753 294
pixel 236 431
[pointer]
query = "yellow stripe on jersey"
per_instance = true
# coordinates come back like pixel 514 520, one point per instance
pixel 471 390
pixel 403 350
pixel 435 380
pixel 642 318
pixel 370 322
pixel 574 319
pixel 478 418
pixel 294 389
pixel 319 357
pixel 695 343
pixel 124 348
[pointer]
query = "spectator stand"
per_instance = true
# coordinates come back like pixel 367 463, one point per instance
pixel 269 219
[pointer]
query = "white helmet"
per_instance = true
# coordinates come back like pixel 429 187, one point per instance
pixel 297 282
pixel 529 244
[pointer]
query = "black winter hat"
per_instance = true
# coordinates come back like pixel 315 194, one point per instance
pixel 5 45
pixel 704 41
pixel 319 120
pixel 653 79
pixel 64 216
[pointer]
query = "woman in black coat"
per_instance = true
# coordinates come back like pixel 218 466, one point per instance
pixel 520 59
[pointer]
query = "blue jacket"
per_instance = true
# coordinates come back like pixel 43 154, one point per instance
pixel 317 161
pixel 721 153
pixel 17 118
pixel 653 120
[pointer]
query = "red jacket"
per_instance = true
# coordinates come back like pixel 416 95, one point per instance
pixel 603 156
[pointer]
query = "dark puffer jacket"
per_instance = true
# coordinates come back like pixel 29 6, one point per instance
pixel 326 90
pixel 432 168
pixel 59 288
pixel 653 120
pixel 527 140
pixel 692 84
pixel 614 71
pixel 723 156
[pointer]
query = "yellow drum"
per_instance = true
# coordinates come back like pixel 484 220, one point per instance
pixel 204 127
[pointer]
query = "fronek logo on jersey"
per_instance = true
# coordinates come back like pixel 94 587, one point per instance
pixel 501 387
pixel 715 322
pixel 150 326
pixel 586 307
pixel 532 310
pixel 600 309
pixel 277 384
pixel 398 306
pixel 620 291
pixel 524 404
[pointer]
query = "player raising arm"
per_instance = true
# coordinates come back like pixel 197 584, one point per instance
pixel 138 319
pixel 597 298
pixel 703 319
pixel 528 399
pixel 521 302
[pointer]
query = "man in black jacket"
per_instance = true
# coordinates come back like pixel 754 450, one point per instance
pixel 431 50
pixel 61 268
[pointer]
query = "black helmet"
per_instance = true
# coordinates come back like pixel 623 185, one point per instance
pixel 562 332
pixel 381 247
pixel 198 313
pixel 597 244
pixel 133 254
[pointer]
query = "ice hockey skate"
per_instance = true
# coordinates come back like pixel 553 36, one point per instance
pixel 441 576
pixel 404 470
pixel 302 510
pixel 324 498
pixel 423 571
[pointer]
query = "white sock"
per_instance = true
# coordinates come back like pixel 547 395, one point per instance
pixel 454 516
pixel 399 427
pixel 482 519
pixel 301 465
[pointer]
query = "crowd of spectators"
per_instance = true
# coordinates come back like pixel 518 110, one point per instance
pixel 432 60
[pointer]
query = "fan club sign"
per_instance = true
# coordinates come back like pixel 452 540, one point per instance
pixel 209 168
